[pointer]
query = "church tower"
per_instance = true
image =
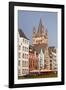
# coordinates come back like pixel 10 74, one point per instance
pixel 40 41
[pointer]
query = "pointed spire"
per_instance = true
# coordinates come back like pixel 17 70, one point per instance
pixel 34 31
pixel 40 23
pixel 46 32
pixel 40 27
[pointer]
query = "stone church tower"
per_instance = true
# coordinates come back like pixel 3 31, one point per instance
pixel 40 41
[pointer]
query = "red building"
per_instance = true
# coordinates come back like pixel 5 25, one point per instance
pixel 33 60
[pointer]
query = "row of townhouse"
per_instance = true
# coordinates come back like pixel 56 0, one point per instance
pixel 29 59
pixel 38 55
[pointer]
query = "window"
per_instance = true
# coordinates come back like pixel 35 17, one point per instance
pixel 19 54
pixel 23 48
pixel 18 71
pixel 25 40
pixel 18 62
pixel 45 66
pixel 26 56
pixel 27 49
pixel 23 55
pixel 50 60
pixel 22 63
pixel 25 63
pixel 24 71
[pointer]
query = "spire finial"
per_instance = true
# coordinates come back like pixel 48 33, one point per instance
pixel 40 27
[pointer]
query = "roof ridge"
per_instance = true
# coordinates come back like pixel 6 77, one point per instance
pixel 21 33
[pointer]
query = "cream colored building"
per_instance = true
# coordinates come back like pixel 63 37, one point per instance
pixel 23 54
pixel 53 59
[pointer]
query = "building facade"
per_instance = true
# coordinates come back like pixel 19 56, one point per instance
pixel 23 54
pixel 33 60
pixel 40 41
pixel 54 62
pixel 53 58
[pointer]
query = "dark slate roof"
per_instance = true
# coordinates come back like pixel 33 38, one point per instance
pixel 21 33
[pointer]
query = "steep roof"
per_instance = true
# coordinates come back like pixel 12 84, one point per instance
pixel 21 33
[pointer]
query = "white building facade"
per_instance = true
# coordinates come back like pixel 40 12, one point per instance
pixel 23 54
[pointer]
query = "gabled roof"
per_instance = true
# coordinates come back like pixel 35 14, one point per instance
pixel 21 33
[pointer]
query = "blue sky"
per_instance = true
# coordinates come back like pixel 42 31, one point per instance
pixel 28 19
